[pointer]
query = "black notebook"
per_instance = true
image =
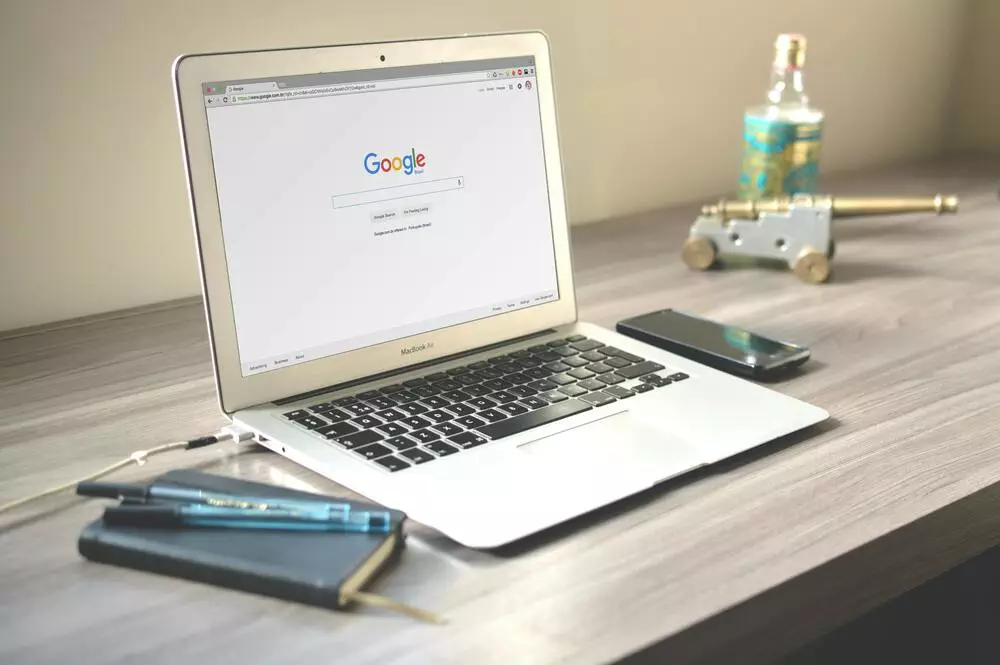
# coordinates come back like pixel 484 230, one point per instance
pixel 325 569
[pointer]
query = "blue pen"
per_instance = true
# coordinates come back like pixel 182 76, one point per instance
pixel 204 516
pixel 332 509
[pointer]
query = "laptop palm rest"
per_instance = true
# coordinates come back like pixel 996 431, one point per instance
pixel 618 444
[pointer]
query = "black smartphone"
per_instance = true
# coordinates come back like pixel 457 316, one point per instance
pixel 728 348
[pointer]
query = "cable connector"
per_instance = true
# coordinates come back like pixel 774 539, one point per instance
pixel 235 433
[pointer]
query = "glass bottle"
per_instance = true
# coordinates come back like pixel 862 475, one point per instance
pixel 781 139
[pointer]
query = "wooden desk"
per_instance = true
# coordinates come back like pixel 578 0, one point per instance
pixel 738 563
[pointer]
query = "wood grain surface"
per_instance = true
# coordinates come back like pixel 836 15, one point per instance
pixel 737 563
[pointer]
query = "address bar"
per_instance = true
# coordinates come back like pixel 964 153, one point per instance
pixel 349 88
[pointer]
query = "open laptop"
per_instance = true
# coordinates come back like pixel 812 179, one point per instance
pixel 386 269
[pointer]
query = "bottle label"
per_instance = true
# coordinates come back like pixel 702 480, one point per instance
pixel 780 157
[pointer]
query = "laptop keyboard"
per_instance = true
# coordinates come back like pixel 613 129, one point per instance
pixel 443 413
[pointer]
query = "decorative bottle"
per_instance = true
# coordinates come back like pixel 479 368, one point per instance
pixel 781 139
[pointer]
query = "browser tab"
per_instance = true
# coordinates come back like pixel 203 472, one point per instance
pixel 252 87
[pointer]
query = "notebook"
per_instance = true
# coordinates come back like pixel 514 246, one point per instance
pixel 322 569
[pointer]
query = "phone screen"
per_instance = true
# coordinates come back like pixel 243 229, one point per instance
pixel 721 340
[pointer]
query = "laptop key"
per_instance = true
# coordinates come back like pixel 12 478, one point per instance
pixel 538 348
pixel 362 438
pixel 438 416
pixel 373 451
pixel 296 414
pixel 599 368
pixel 470 422
pixel 426 391
pixel 336 415
pixel 456 396
pixel 642 388
pixel 404 396
pixel 367 395
pixel 529 362
pixel 587 345
pixel 580 373
pixel 425 435
pixel 478 391
pixel 392 463
pixel 565 351
pixel 576 338
pixel 448 429
pixel 468 379
pixel 413 408
pixel 610 378
pixel 558 342
pixel 401 442
pixel 390 414
pixel 492 415
pixel 509 368
pixel 598 398
pixel 553 396
pixel 312 422
pixel 392 429
pixel 344 401
pixel 455 371
pixel 482 403
pixel 679 376
pixel 573 391
pixel 441 449
pixel 436 376
pixel 538 373
pixel 619 392
pixel 488 374
pixel 520 354
pixel 593 356
pixel 616 362
pixel 448 384
pixel 460 409
pixel 547 357
pixel 533 402
pixel 543 385
pixel 575 361
pixel 436 402
pixel 558 367
pixel 503 397
pixel 359 409
pixel 337 430
pixel 655 380
pixel 635 371
pixel 366 421
pixel 394 388
pixel 481 364
pixel 320 408
pixel 592 384
pixel 381 402
pixel 415 422
pixel 518 379
pixel 468 440
pixel 526 421
pixel 561 380
pixel 631 357
pixel 497 384
pixel 412 383
pixel 513 409
pixel 417 456
pixel 523 391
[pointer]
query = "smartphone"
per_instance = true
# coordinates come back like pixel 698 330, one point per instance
pixel 728 348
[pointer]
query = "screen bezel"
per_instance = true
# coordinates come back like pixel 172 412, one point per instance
pixel 236 391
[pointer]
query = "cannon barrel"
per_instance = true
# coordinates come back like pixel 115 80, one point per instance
pixel 846 206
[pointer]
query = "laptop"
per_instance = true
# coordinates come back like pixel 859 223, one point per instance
pixel 386 270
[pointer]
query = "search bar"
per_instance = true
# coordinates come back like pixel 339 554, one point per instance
pixel 395 192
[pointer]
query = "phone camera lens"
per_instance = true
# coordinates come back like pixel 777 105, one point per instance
pixel 381 58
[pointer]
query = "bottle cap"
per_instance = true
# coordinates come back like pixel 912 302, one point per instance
pixel 790 51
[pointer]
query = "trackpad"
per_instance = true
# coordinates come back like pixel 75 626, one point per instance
pixel 621 442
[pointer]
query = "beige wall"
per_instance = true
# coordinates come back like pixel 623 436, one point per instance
pixel 92 199
pixel 977 113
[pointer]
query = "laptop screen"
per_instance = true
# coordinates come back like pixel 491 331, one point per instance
pixel 362 207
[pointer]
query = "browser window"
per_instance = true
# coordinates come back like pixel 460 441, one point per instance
pixel 363 207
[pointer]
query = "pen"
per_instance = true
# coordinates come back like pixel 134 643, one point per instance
pixel 331 509
pixel 199 515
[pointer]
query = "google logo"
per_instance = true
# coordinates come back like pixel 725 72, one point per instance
pixel 407 163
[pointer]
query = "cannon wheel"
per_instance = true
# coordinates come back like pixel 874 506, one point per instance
pixel 699 253
pixel 812 266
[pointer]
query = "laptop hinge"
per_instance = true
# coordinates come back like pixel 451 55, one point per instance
pixel 410 368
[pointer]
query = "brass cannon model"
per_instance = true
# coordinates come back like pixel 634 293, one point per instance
pixel 797 230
